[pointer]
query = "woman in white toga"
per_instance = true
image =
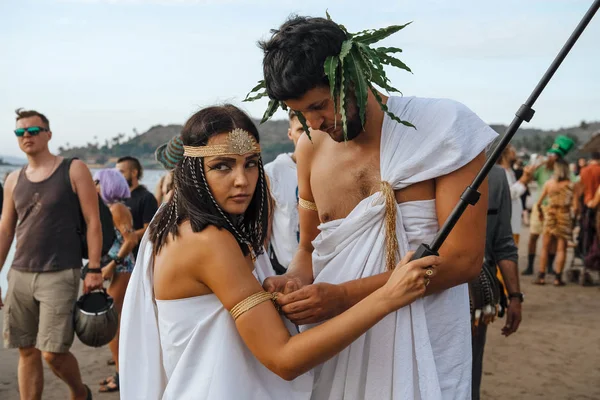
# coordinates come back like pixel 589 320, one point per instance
pixel 196 322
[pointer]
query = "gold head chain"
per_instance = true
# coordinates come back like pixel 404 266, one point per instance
pixel 239 142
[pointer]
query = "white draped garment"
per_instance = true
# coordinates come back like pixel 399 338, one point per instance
pixel 422 351
pixel 283 179
pixel 190 348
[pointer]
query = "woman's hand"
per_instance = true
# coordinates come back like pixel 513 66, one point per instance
pixel 109 270
pixel 409 280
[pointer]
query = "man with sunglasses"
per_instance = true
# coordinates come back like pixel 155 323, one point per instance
pixel 43 282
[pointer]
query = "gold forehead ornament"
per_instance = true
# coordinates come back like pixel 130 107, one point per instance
pixel 239 142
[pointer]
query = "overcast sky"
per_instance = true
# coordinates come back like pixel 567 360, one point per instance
pixel 100 67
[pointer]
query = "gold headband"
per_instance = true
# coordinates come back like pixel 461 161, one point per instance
pixel 239 142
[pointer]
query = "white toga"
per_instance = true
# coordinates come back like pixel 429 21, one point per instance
pixel 423 351
pixel 283 179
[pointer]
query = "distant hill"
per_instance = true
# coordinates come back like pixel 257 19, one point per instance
pixel 530 140
pixel 274 141
pixel 11 160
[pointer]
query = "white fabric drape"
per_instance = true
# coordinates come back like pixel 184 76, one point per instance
pixel 283 179
pixel 517 189
pixel 190 348
pixel 423 351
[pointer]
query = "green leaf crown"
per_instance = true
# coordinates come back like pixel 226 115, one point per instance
pixel 358 65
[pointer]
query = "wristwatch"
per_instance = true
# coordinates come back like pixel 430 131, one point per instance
pixel 118 260
pixel 517 295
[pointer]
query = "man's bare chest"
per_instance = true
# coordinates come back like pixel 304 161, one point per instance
pixel 339 183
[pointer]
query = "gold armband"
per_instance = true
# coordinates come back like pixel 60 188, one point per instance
pixel 252 301
pixel 308 205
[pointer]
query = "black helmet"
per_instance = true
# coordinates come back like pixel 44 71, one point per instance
pixel 95 319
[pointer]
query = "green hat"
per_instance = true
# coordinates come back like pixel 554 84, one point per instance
pixel 562 145
pixel 169 154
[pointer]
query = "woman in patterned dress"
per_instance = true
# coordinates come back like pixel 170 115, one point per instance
pixel 558 219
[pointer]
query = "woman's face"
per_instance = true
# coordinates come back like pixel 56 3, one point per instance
pixel 232 179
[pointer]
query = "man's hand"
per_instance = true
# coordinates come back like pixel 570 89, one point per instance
pixel 92 282
pixel 513 318
pixel 282 284
pixel 313 303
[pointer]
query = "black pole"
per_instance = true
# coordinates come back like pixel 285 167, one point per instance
pixel 470 196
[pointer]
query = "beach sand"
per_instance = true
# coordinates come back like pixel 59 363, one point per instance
pixel 554 355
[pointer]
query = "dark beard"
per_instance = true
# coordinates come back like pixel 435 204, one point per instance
pixel 129 182
pixel 353 124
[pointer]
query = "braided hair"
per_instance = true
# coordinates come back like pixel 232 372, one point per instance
pixel 192 199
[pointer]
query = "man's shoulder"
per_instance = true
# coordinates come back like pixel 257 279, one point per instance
pixel 497 177
pixel 425 103
pixel 592 169
pixel 11 179
pixel 141 192
pixel 306 148
pixel 437 116
pixel 280 163
pixel 280 159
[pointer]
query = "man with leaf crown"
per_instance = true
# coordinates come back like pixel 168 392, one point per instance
pixel 382 181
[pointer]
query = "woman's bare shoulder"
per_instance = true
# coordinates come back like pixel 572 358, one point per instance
pixel 209 241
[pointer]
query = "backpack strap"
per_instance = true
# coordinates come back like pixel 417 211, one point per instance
pixel 75 200
pixel 67 173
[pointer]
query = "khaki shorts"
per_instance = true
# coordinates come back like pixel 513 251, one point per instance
pixel 38 310
pixel 536 227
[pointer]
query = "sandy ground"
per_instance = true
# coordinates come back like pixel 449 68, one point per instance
pixel 554 355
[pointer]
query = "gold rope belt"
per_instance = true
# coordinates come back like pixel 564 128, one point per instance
pixel 391 239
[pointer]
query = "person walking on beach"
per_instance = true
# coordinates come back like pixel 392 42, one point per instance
pixel 558 219
pixel 561 147
pixel 43 281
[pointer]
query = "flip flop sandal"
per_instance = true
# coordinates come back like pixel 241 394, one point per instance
pixel 540 279
pixel 108 380
pixel 111 386
pixel 559 282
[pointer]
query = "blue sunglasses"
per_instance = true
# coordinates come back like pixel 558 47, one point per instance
pixel 33 131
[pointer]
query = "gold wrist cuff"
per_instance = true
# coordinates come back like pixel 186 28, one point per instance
pixel 252 301
pixel 307 205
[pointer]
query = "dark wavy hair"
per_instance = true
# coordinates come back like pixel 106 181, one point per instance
pixel 192 199
pixel 295 55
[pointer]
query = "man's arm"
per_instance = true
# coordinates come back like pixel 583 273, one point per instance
pixel 462 255
pixel 462 252
pixel 299 272
pixel 506 255
pixel 82 182
pixel 8 219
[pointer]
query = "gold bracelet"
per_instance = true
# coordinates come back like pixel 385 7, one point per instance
pixel 308 205
pixel 250 302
